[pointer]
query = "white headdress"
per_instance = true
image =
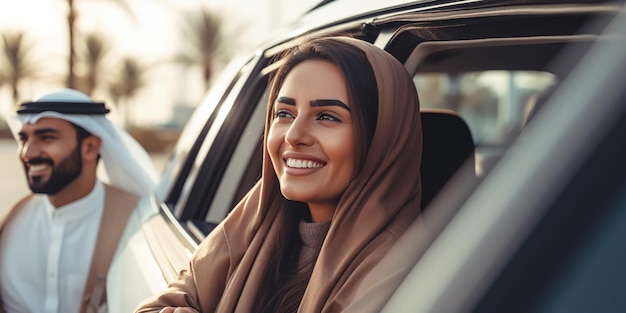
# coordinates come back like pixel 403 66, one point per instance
pixel 124 162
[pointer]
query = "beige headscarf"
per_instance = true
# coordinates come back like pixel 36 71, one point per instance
pixel 226 271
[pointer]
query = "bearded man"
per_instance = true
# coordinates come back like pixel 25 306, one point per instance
pixel 57 243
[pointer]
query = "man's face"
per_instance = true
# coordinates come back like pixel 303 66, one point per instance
pixel 51 155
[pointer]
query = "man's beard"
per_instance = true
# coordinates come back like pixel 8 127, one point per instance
pixel 62 175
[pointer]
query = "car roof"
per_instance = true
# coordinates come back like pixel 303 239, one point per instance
pixel 327 14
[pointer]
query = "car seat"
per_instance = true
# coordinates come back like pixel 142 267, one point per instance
pixel 447 144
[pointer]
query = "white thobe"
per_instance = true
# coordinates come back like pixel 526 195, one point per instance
pixel 45 254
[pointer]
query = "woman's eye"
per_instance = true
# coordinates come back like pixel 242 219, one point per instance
pixel 282 113
pixel 328 117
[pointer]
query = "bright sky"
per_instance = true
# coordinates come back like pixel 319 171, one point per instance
pixel 149 32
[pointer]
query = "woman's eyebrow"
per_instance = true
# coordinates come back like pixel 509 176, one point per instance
pixel 329 102
pixel 316 103
pixel 286 100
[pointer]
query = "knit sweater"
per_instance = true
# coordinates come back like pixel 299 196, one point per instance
pixel 312 236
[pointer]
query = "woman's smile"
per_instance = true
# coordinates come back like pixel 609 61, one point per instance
pixel 295 163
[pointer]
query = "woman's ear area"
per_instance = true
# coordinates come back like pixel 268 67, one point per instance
pixel 91 147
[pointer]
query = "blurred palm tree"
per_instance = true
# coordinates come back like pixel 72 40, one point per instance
pixel 71 28
pixel 71 22
pixel 96 48
pixel 3 79
pixel 130 80
pixel 202 33
pixel 17 63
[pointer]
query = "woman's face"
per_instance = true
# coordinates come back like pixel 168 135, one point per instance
pixel 311 138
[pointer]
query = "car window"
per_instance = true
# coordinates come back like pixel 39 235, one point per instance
pixel 218 174
pixel 211 146
pixel 244 167
pixel 242 172
pixel 491 102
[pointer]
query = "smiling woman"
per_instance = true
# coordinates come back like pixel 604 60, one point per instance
pixel 311 139
pixel 335 192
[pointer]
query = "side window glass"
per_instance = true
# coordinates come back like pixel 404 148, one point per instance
pixel 184 153
pixel 187 196
pixel 244 166
pixel 491 102
pixel 241 169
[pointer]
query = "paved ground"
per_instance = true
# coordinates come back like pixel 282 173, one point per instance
pixel 12 181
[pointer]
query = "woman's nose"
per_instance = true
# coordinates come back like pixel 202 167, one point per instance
pixel 299 132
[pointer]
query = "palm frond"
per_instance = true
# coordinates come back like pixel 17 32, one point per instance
pixel 93 54
pixel 16 61
pixel 202 33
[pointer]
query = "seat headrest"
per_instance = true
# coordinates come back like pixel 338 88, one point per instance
pixel 447 144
